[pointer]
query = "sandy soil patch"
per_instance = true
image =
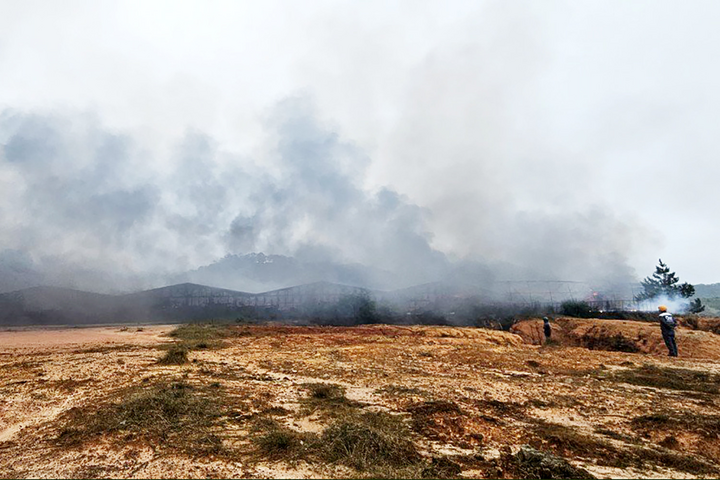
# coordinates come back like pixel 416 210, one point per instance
pixel 12 338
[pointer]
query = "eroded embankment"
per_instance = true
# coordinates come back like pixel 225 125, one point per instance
pixel 621 335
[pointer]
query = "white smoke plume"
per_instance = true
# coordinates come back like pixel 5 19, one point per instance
pixel 91 208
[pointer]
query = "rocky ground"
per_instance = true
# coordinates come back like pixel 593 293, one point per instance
pixel 376 401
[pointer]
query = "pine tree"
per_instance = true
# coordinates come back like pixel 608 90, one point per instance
pixel 664 283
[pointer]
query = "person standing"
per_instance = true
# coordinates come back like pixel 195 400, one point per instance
pixel 667 327
pixel 546 328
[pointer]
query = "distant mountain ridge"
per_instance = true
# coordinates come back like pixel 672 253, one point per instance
pixel 711 290
pixel 258 272
pixel 174 303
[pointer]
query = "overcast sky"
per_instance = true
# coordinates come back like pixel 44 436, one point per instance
pixel 573 138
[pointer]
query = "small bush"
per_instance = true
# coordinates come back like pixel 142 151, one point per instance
pixel 177 354
pixel 325 391
pixel 368 441
pixel 197 336
pixel 276 442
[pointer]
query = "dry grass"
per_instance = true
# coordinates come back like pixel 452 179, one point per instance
pixel 670 378
pixel 329 399
pixel 440 419
pixel 175 415
pixel 277 442
pixel 369 440
pixel 703 424
pixel 177 354
pixel 568 442
pixel 202 336
pixel 378 445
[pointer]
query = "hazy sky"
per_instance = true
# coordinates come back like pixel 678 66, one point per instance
pixel 574 138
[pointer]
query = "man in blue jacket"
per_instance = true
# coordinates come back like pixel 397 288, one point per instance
pixel 667 326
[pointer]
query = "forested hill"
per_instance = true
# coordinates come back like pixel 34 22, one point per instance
pixel 711 290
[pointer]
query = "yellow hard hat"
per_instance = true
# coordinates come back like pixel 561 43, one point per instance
pixel 662 308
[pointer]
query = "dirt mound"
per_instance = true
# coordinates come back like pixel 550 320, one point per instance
pixel 620 335
pixel 531 331
pixel 495 337
pixel 706 324
pixel 482 335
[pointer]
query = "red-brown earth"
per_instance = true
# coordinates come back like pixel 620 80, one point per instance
pixel 463 395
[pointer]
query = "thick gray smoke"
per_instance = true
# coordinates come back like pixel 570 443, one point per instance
pixel 85 207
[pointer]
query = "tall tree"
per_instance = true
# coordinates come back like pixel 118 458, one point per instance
pixel 664 283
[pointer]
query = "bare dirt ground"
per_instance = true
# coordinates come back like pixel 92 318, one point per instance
pixel 467 398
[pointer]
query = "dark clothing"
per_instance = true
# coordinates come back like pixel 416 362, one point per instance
pixel 668 334
pixel 547 330
pixel 667 327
